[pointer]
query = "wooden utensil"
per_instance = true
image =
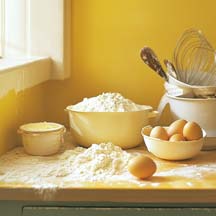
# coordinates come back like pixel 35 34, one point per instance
pixel 150 58
pixel 170 68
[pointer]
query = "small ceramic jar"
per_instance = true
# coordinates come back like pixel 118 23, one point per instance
pixel 42 138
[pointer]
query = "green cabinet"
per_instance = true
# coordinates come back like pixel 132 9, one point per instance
pixel 79 211
pixel 31 208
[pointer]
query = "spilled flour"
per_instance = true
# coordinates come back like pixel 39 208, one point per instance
pixel 97 163
pixel 103 162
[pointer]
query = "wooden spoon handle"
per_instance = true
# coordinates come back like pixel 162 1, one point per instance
pixel 171 68
pixel 149 57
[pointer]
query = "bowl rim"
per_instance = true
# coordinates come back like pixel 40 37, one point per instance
pixel 189 99
pixel 58 128
pixel 188 85
pixel 147 109
pixel 167 141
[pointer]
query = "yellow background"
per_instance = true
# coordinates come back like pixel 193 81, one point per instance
pixel 107 36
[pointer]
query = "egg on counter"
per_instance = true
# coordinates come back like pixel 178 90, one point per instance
pixel 159 133
pixel 176 127
pixel 142 167
pixel 192 131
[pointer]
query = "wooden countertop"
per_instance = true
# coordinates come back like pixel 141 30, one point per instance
pixel 188 181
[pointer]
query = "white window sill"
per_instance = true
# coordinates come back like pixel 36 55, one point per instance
pixel 21 73
pixel 7 64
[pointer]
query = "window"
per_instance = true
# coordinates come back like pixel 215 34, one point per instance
pixel 36 29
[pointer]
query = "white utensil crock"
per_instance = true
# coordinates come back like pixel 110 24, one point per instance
pixel 200 110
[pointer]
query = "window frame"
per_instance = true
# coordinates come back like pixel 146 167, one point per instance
pixel 38 38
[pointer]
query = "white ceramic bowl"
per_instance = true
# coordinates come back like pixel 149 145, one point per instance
pixel 120 128
pixel 179 150
pixel 42 138
pixel 191 90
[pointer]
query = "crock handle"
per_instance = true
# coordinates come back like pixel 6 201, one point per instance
pixel 163 102
pixel 19 131
pixel 153 114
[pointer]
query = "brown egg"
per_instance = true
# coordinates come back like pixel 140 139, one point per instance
pixel 192 131
pixel 176 127
pixel 159 133
pixel 176 137
pixel 147 130
pixel 142 167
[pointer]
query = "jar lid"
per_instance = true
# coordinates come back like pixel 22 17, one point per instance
pixel 41 127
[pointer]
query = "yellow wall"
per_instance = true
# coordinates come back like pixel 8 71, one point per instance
pixel 107 36
pixel 106 40
pixel 16 109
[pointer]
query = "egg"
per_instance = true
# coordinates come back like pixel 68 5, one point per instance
pixel 147 130
pixel 176 127
pixel 159 133
pixel 192 131
pixel 176 137
pixel 142 166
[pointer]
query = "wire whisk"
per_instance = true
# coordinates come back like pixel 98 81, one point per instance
pixel 195 59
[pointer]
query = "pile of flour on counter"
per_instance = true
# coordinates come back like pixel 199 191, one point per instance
pixel 100 162
pixel 103 162
pixel 108 102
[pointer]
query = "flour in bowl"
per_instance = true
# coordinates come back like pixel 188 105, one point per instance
pixel 108 102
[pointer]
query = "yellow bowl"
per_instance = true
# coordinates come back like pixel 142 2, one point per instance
pixel 120 128
pixel 179 150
